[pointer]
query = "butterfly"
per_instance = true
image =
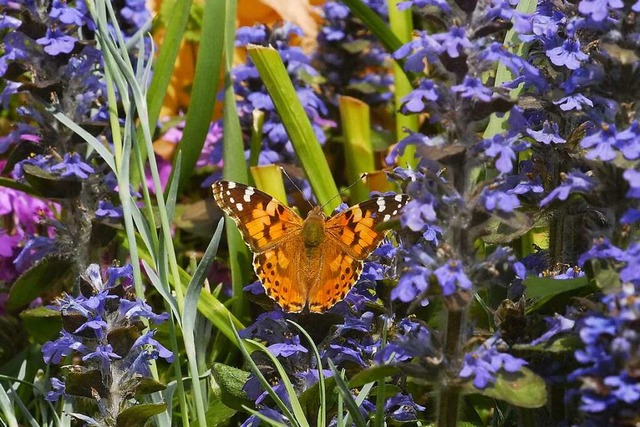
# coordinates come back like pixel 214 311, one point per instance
pixel 313 262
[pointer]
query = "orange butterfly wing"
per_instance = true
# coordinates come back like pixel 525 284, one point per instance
pixel 272 232
pixel 351 236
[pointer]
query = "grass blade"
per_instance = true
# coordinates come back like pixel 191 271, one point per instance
pixel 205 85
pixel 296 122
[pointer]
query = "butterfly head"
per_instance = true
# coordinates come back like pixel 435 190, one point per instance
pixel 313 228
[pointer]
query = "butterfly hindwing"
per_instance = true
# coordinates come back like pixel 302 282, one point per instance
pixel 336 278
pixel 277 270
pixel 356 228
pixel 262 220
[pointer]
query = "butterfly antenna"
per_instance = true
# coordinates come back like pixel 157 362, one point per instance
pixel 296 185
pixel 362 178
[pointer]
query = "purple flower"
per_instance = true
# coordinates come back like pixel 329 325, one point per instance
pixel 402 408
pixel 601 144
pixel 57 390
pixel 547 135
pixel 504 149
pixel 66 344
pixel 575 181
pixel 72 165
pixel 288 348
pixel 568 55
pixel 35 249
pixel 472 87
pixel 134 310
pixel 557 324
pixel 412 284
pixel 452 277
pixel 454 42
pixel 103 355
pixel 485 363
pixel 442 4
pixel 602 249
pixel 628 141
pixel 495 199
pixel 574 102
pixel 414 102
pixel 632 176
pixel 67 15
pixel 598 10
pixel 417 213
pixel 57 42
pixel 106 209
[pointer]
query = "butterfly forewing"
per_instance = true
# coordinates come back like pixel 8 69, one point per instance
pixel 356 228
pixel 262 220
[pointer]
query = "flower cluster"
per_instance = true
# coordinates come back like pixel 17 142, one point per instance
pixel 253 94
pixel 50 62
pixel 350 59
pixel 104 328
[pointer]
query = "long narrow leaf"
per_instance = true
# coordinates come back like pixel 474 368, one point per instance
pixel 166 60
pixel 195 286
pixel 263 381
pixel 235 169
pixel 296 122
pixel 322 412
pixel 301 420
pixel 205 86
pixel 352 406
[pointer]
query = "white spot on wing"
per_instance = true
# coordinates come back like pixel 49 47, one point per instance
pixel 232 200
pixel 395 212
pixel 386 217
pixel 239 206
pixel 381 204
pixel 248 193
pixel 232 185
pixel 398 198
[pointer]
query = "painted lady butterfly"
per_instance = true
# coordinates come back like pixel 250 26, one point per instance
pixel 312 262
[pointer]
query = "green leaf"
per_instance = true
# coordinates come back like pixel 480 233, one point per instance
pixel 295 120
pixel 230 380
pixel 235 169
pixel 370 375
pixel 10 183
pixel 218 413
pixel 49 274
pixel 147 385
pixel 138 415
pixel 166 59
pixel 542 287
pixel 356 128
pixel 205 86
pixel 565 344
pixel 352 406
pixel 523 388
pixel 49 185
pixel 41 323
